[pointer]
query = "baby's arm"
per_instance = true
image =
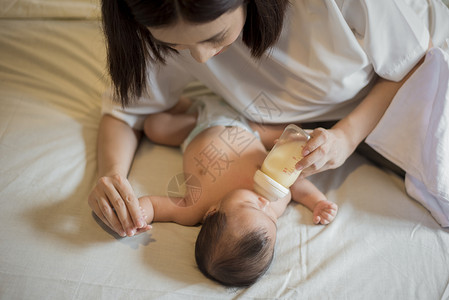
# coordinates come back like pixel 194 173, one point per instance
pixel 268 133
pixel 305 192
pixel 164 209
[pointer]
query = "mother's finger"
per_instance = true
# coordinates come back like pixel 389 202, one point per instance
pixel 132 203
pixel 104 212
pixel 121 210
pixel 318 137
pixel 109 215
pixel 313 161
pixel 96 209
pixel 93 203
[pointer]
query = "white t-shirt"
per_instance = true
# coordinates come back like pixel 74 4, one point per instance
pixel 321 67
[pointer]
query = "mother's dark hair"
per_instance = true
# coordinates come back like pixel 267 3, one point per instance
pixel 130 45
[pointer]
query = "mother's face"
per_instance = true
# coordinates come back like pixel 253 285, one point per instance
pixel 203 40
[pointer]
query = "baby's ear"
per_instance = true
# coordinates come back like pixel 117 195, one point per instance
pixel 211 211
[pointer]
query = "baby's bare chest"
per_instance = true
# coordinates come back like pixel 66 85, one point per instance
pixel 221 163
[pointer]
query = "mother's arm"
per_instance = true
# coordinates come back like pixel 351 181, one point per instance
pixel 328 149
pixel 113 199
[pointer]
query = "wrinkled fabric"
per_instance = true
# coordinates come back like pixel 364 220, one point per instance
pixel 414 134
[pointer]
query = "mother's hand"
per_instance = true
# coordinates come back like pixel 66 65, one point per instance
pixel 114 202
pixel 326 149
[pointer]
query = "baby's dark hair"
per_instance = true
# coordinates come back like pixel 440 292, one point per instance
pixel 232 262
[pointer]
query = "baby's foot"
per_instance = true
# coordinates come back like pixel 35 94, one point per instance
pixel 324 212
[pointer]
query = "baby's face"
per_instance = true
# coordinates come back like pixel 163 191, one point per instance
pixel 249 210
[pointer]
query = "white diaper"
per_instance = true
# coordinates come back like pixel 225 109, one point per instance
pixel 213 111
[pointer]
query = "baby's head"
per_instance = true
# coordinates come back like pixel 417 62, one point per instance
pixel 236 243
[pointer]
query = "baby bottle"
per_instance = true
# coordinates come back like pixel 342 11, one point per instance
pixel 278 170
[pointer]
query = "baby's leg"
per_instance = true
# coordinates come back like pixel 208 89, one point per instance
pixel 171 127
pixel 305 192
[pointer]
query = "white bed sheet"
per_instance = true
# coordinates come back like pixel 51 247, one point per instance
pixel 382 245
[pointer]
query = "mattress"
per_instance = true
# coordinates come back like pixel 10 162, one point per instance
pixel 382 245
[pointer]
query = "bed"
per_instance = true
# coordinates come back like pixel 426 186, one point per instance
pixel 382 245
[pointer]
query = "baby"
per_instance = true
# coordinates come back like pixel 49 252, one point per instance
pixel 222 151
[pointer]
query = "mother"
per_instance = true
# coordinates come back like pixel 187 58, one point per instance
pixel 276 61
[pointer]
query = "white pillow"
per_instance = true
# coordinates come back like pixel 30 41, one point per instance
pixel 59 9
pixel 414 134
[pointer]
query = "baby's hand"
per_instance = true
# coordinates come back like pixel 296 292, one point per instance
pixel 148 215
pixel 145 228
pixel 324 212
